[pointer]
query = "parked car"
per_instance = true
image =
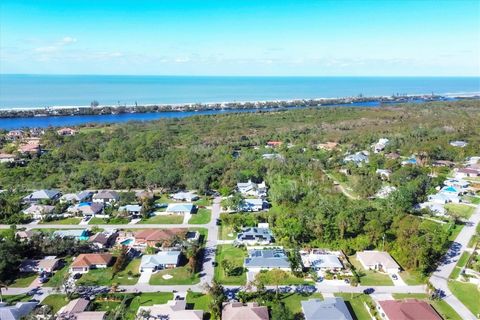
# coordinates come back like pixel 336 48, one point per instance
pixel 77 276
pixel 394 277
pixel 369 291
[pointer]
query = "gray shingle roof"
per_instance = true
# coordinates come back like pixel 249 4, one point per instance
pixel 329 308
pixel 267 258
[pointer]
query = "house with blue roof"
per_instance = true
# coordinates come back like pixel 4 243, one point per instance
pixel 180 208
pixel 40 195
pixel 266 259
pixel 131 209
pixel 161 260
pixel 328 308
pixel 78 234
pixel 16 312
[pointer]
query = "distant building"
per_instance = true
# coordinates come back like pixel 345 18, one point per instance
pixel 77 234
pixel 87 209
pixel 252 205
pixel 266 259
pixel 185 196
pixel 329 308
pixel 15 135
pixel 384 173
pixel 467 173
pixel 179 208
pixel 38 211
pixel 321 261
pixel 47 264
pixel 329 146
pixel 412 161
pixel 16 312
pixel 172 310
pixel 131 209
pixel 81 196
pixel 358 158
pixel 407 310
pixel 274 144
pixel 458 143
pixel 252 189
pixel 378 260
pixel 75 309
pixel 380 145
pixel 240 311
pixel 66 132
pixel 8 158
pixel 41 195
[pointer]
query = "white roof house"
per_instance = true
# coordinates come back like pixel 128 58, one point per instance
pixel 133 209
pixel 266 259
pixel 320 260
pixel 255 235
pixel 76 197
pixel 249 205
pixel 358 158
pixel 458 143
pixel 435 208
pixel 161 260
pixel 180 208
pixel 38 211
pixel 16 312
pixel 385 191
pixel 42 195
pixel 384 173
pixel 252 189
pixel 106 196
pixel 172 310
pixel 444 197
pixel 328 308
pixel 87 209
pixel 378 260
pixel 458 183
pixel 380 145
pixel 185 196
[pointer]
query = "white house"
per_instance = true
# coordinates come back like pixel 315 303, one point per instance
pixel 378 260
pixel 458 143
pixel 380 145
pixel 321 260
pixel 172 310
pixel 81 196
pixel 266 259
pixel 159 261
pixel 87 209
pixel 252 205
pixel 384 173
pixel 131 209
pixel 47 264
pixel 87 261
pixel 358 158
pixel 444 197
pixel 185 196
pixel 252 189
pixel 42 195
pixel 254 236
pixel 38 211
pixel 179 208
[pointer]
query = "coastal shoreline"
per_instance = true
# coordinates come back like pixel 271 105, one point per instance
pixel 153 108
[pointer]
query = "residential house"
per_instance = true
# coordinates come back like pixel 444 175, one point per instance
pixel 47 264
pixel 380 145
pixel 444 197
pixel 392 156
pixel 15 135
pixel 180 208
pixel 384 173
pixel 253 189
pixel 42 195
pixel 443 163
pixel 76 309
pixel 266 259
pixel 107 197
pixel 16 312
pixel 467 173
pixel 329 146
pixel 252 205
pixel 378 260
pixel 131 209
pixel 87 261
pixel 384 192
pixel 66 132
pixel 87 209
pixel 152 237
pixel 410 309
pixel 435 208
pixel 39 211
pixel 321 261
pixel 77 234
pixel 241 311
pixel 272 156
pixel 82 196
pixel 29 148
pixel 358 158
pixel 172 310
pixel 161 260
pixel 458 143
pixel 274 144
pixel 104 239
pixel 254 236
pixel 458 183
pixel 184 196
pixel 412 161
pixel 328 308
pixel 142 195
pixel 26 234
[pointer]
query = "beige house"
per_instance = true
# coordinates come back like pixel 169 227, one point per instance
pixel 85 262
pixel 172 310
pixel 75 309
pixel 240 311
pixel 47 264
pixel 378 260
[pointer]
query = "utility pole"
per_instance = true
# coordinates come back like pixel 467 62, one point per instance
pixel 383 242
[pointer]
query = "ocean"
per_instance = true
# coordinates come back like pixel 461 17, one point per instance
pixel 29 91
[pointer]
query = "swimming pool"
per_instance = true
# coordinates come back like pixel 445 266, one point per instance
pixel 126 242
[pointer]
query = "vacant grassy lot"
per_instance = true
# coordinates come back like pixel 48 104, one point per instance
pixel 63 221
pixel 202 216
pixel 441 306
pixel 370 277
pixel 467 293
pixel 203 202
pixel 163 219
pixel 115 220
pixel 224 232
pixel 460 210
pixel 293 302
pixel 56 301
pixel 235 256
pixel 474 200
pixel 23 280
pixel 104 277
pixel 355 303
pixel 413 278
pixel 199 301
pixel 180 276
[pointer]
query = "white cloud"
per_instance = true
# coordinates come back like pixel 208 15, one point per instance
pixel 68 40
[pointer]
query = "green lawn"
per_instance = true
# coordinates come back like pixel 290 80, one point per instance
pixel 12 299
pixel 115 220
pixel 293 301
pixel 355 303
pixel 455 230
pixel 23 280
pixel 235 256
pixel 474 200
pixel 290 279
pixel 467 293
pixel 57 279
pixel 224 231
pixel 370 277
pixel 133 302
pixel 203 202
pixel 56 301
pixel 202 216
pixel 103 277
pixel 443 308
pixel 460 264
pixel 413 278
pixel 163 219
pixel 199 300
pixel 180 276
pixel 461 210
pixel 164 199
pixel 63 221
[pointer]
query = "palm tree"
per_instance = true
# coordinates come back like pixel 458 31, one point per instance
pixel 3 285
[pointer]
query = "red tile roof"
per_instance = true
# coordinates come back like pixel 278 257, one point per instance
pixel 91 259
pixel 411 309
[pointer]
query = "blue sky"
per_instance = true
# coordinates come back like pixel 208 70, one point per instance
pixel 376 38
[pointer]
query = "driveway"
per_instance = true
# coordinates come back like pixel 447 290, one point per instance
pixel 399 281
pixel 145 277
